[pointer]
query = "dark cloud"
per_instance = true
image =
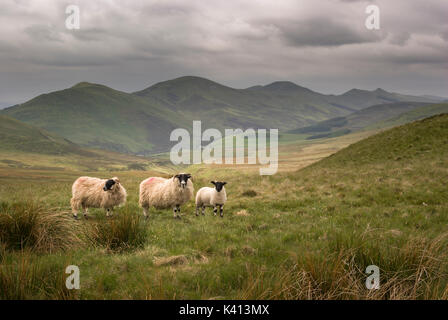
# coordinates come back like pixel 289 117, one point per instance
pixel 324 32
pixel 128 45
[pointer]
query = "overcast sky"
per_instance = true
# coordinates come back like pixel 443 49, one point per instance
pixel 129 45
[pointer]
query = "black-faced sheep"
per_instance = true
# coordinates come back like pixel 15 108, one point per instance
pixel 212 197
pixel 88 192
pixel 162 193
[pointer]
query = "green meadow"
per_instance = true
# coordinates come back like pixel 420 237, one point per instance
pixel 307 232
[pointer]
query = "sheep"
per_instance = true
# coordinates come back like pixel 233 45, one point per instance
pixel 88 192
pixel 212 197
pixel 164 193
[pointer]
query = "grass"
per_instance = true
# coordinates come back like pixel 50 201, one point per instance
pixel 126 232
pixel 302 234
pixel 30 226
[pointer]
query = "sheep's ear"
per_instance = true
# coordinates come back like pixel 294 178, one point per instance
pixel 188 175
pixel 224 183
pixel 116 179
pixel 213 182
pixel 177 176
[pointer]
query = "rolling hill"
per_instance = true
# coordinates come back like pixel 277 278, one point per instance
pixel 24 146
pixel 415 114
pixel 365 118
pixel 96 116
pixel 424 140
pixel 222 107
pixel 19 136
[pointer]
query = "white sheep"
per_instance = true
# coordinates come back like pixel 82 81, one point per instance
pixel 212 197
pixel 88 192
pixel 162 193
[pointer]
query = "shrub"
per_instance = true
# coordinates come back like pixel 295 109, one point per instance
pixel 249 193
pixel 124 231
pixel 418 270
pixel 28 225
pixel 27 276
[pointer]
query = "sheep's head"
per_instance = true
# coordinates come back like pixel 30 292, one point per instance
pixel 183 179
pixel 218 185
pixel 111 184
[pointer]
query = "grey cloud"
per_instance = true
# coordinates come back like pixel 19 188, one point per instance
pixel 324 32
pixel 43 33
pixel 130 44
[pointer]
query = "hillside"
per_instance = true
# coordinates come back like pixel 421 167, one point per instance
pixel 363 98
pixel 365 118
pixel 424 140
pixel 304 234
pixel 281 104
pixel 96 116
pixel 19 136
pixel 415 114
pixel 221 107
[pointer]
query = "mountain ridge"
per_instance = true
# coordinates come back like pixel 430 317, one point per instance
pixel 96 116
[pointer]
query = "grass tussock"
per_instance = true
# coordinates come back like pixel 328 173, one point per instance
pixel 417 270
pixel 29 277
pixel 123 232
pixel 29 225
pixel 249 193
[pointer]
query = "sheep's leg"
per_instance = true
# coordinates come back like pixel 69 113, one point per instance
pixel 109 212
pixel 197 210
pixel 86 210
pixel 203 210
pixel 215 210
pixel 146 212
pixel 176 211
pixel 221 210
pixel 75 212
pixel 75 208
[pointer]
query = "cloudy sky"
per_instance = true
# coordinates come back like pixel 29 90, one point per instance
pixel 129 45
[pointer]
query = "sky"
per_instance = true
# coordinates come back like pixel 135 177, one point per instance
pixel 130 44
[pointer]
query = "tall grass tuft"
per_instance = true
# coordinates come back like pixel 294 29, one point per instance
pixel 125 231
pixel 417 270
pixel 27 276
pixel 28 225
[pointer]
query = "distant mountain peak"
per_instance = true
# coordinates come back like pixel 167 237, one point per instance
pixel 285 86
pixel 354 91
pixel 85 84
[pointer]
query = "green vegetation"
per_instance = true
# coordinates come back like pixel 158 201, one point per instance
pixel 367 118
pixel 415 114
pixel 19 136
pixel 95 116
pixel 304 234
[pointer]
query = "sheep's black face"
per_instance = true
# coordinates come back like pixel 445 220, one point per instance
pixel 108 185
pixel 218 185
pixel 183 179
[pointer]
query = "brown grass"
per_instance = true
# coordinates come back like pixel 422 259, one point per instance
pixel 416 271
pixel 31 226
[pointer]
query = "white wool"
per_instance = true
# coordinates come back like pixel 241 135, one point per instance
pixel 87 192
pixel 209 197
pixel 164 193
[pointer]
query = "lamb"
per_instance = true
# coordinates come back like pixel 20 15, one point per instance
pixel 88 192
pixel 212 197
pixel 162 193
